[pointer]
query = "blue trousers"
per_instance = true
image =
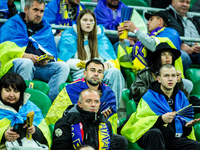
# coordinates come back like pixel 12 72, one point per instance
pixel 54 73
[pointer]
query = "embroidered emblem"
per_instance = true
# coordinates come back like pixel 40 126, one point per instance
pixel 58 132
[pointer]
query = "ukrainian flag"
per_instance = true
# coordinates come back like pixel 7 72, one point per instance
pixel 9 117
pixel 70 95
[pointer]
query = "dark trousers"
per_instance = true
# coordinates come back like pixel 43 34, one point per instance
pixel 154 140
pixel 195 58
pixel 118 142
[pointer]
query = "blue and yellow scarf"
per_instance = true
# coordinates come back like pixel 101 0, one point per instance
pixel 103 136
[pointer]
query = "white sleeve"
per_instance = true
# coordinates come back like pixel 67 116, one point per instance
pixel 72 63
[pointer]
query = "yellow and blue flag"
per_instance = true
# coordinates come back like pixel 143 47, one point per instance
pixel 68 47
pixel 150 107
pixel 9 117
pixel 70 95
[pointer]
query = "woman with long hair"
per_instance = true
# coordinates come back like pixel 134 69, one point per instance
pixel 86 41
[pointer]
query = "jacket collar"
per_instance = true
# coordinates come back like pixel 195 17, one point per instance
pixel 175 13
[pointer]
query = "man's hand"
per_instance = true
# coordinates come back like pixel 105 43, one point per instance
pixel 11 135
pixel 196 48
pixel 31 130
pixel 59 34
pixel 129 25
pixel 186 48
pixel 10 1
pixel 191 123
pixel 168 117
pixel 120 31
pixel 179 76
pixel 106 113
pixel 31 56
pixel 131 40
pixel 43 62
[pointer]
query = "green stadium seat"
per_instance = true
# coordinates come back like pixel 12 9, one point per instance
pixel 38 85
pixel 195 90
pixel 191 3
pixel 92 8
pixel 129 76
pixel 136 3
pixel 193 74
pixel 130 108
pixel 197 125
pixel 195 66
pixel 130 104
pixel 51 128
pixel 40 99
pixel 18 5
pixel 62 85
pixel 69 79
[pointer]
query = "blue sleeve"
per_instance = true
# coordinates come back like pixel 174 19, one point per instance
pixel 51 10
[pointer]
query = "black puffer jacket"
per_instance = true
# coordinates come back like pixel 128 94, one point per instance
pixel 62 138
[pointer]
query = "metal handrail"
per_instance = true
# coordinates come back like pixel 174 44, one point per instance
pixel 92 4
pixel 112 32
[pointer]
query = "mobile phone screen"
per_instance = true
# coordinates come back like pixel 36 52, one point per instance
pixel 20 130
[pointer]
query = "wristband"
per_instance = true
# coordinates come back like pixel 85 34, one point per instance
pixel 135 30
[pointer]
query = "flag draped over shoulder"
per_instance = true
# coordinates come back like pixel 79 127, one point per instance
pixel 9 117
pixel 56 12
pixel 104 15
pixel 68 46
pixel 150 107
pixel 15 30
pixel 14 39
pixel 8 52
pixel 70 95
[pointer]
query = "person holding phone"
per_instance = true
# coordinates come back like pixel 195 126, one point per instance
pixel 14 107
pixel 84 124
pixel 93 75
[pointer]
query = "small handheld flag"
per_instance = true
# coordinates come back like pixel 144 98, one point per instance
pixel 187 111
pixel 126 13
pixel 45 57
pixel 29 122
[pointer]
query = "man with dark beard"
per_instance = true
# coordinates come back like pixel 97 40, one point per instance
pixel 108 13
pixel 63 12
pixel 70 94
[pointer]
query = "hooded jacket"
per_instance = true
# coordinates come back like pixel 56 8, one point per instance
pixel 142 81
pixel 151 107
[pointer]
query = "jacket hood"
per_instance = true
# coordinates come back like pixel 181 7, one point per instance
pixel 155 86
